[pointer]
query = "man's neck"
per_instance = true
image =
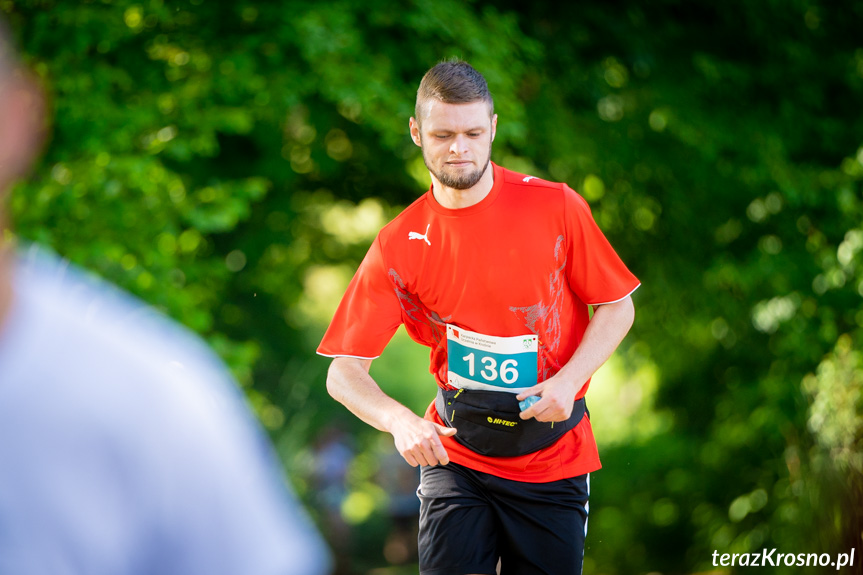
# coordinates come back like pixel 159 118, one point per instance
pixel 455 199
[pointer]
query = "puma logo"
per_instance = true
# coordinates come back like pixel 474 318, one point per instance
pixel 529 178
pixel 419 236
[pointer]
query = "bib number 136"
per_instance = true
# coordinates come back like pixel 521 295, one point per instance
pixel 479 361
pixel 489 369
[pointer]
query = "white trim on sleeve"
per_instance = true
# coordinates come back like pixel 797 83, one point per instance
pixel 617 300
pixel 345 355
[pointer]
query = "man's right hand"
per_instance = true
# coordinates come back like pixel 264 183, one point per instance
pixel 418 440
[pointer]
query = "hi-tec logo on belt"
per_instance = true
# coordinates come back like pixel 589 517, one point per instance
pixel 499 421
pixel 419 236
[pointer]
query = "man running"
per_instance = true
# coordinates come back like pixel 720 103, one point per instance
pixel 495 272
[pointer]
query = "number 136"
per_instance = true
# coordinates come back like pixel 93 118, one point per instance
pixel 508 369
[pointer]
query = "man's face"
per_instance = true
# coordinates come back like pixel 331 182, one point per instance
pixel 456 141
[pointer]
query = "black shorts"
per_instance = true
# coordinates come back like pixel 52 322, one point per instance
pixel 469 520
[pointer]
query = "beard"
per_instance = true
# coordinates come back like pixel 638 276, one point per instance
pixel 459 180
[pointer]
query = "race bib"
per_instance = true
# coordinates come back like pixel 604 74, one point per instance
pixel 477 361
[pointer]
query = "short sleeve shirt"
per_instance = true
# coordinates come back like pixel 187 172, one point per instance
pixel 527 259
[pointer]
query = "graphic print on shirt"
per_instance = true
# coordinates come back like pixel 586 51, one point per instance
pixel 543 317
pixel 427 327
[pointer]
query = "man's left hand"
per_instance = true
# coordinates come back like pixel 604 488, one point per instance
pixel 557 396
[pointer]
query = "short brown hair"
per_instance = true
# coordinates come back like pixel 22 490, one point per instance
pixel 453 82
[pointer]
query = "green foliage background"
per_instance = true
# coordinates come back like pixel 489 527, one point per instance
pixel 230 162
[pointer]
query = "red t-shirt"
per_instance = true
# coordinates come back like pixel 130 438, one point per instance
pixel 528 258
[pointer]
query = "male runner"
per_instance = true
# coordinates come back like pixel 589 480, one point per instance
pixel 494 271
pixel 125 447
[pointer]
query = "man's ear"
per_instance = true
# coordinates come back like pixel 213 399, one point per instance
pixel 415 132
pixel 493 126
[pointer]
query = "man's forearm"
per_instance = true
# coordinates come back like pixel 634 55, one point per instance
pixel 349 383
pixel 416 439
pixel 607 328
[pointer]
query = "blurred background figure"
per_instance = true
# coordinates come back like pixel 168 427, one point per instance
pixel 400 481
pixel 333 453
pixel 125 447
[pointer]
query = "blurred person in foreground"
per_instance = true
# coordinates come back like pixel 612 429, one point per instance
pixel 125 447
pixel 495 271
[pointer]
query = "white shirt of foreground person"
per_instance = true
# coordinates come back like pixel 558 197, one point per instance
pixel 125 448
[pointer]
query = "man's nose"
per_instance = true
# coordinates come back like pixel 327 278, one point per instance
pixel 458 145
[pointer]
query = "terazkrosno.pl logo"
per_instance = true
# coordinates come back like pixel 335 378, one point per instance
pixel 772 558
